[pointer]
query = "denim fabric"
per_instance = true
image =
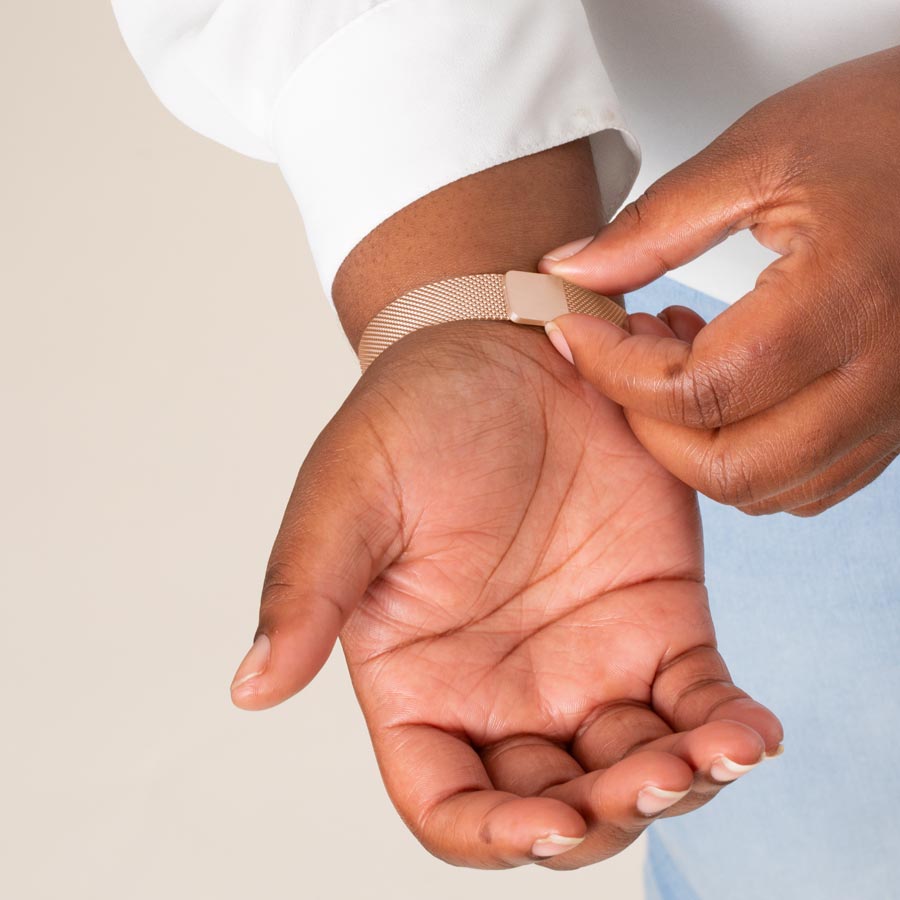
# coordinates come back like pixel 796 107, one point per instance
pixel 807 613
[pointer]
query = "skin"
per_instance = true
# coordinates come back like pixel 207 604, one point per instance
pixel 789 400
pixel 492 221
pixel 516 583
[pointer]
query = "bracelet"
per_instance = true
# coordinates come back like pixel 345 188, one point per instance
pixel 526 298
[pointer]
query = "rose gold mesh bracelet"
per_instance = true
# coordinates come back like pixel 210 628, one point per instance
pixel 526 298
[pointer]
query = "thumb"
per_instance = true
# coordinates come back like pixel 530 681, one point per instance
pixel 684 214
pixel 338 534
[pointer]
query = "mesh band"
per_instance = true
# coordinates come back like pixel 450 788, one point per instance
pixel 468 297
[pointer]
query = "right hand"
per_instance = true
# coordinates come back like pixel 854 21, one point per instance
pixel 528 635
pixel 789 401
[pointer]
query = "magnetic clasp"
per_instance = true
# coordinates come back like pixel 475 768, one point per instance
pixel 533 298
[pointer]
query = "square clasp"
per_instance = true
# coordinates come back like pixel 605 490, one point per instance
pixel 533 298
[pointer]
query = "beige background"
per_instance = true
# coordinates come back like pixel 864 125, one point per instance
pixel 167 358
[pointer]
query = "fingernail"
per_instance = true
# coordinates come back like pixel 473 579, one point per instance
pixel 558 339
pixel 254 663
pixel 775 753
pixel 653 800
pixel 567 250
pixel 664 317
pixel 725 769
pixel 553 845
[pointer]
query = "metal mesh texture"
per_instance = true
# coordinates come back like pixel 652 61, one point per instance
pixel 459 299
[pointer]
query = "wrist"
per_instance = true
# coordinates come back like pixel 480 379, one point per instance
pixel 525 298
pixel 466 345
pixel 494 221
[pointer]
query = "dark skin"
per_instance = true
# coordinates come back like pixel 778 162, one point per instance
pixel 528 634
pixel 488 222
pixel 790 400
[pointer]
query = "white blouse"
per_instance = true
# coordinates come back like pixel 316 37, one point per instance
pixel 367 105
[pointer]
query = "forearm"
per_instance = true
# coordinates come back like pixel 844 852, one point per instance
pixel 502 218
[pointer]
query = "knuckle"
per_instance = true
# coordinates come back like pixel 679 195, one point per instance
pixel 700 397
pixel 636 212
pixel 728 478
pixel 279 587
pixel 639 215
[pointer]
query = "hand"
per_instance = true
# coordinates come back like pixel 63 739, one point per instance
pixel 518 588
pixel 789 400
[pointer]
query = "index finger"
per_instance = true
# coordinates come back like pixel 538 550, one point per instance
pixel 757 353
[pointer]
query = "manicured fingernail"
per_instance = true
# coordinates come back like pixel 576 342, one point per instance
pixel 725 769
pixel 558 339
pixel 254 663
pixel 567 250
pixel 653 800
pixel 553 845
pixel 775 753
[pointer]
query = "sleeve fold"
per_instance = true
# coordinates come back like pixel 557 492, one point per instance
pixel 381 103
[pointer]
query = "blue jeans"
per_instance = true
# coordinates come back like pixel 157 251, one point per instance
pixel 807 613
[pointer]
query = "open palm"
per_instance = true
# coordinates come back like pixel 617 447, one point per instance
pixel 518 588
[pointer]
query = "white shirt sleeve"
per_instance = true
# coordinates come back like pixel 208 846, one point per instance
pixel 368 105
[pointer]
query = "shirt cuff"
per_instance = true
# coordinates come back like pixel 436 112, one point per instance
pixel 415 94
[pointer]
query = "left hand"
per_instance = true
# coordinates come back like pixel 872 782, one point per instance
pixel 528 636
pixel 789 400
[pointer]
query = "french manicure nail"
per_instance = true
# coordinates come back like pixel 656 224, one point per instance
pixel 553 845
pixel 725 769
pixel 558 339
pixel 775 753
pixel 653 800
pixel 254 663
pixel 567 250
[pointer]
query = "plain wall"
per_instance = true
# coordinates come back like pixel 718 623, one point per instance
pixel 167 358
